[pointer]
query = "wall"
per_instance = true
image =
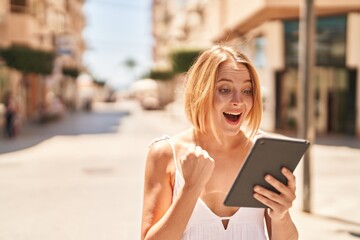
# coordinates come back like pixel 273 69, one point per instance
pixel 353 57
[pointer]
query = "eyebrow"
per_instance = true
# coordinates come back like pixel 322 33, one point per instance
pixel 229 80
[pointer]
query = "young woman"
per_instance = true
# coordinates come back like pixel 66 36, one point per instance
pixel 188 175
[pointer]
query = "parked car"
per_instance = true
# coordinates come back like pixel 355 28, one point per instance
pixel 146 91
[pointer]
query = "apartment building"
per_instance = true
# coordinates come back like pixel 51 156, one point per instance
pixel 268 31
pixel 53 26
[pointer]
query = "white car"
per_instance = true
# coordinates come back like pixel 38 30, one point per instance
pixel 146 91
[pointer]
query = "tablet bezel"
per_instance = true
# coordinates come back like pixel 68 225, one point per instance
pixel 267 156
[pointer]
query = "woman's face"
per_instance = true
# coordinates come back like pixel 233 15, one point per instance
pixel 233 97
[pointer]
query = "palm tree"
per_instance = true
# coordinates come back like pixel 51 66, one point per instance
pixel 130 64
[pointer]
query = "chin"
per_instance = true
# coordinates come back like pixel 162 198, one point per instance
pixel 231 132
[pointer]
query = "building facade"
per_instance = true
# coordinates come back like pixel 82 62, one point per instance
pixel 268 32
pixel 53 26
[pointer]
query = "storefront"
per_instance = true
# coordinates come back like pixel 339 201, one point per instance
pixel 335 87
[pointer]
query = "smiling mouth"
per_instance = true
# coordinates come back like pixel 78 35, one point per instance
pixel 232 117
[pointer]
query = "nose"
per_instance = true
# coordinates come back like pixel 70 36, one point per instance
pixel 236 99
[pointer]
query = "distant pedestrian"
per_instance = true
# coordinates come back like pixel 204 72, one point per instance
pixel 10 115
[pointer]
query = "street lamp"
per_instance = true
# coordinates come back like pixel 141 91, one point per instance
pixel 306 96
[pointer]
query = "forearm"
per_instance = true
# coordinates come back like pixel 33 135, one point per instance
pixel 174 221
pixel 284 229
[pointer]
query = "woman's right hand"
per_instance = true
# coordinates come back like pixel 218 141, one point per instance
pixel 197 167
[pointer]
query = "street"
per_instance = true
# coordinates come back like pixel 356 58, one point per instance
pixel 81 178
pixel 78 178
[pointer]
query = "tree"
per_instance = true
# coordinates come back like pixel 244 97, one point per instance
pixel 130 64
pixel 28 60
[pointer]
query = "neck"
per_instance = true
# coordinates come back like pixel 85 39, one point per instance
pixel 225 143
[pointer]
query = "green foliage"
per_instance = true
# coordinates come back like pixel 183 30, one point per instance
pixel 161 74
pixel 291 123
pixel 71 72
pixel 182 59
pixel 28 60
pixel 99 83
pixel 130 63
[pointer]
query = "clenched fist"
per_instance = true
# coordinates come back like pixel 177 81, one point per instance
pixel 197 167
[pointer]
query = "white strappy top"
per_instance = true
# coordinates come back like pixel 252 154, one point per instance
pixel 245 224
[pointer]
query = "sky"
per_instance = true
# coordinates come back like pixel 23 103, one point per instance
pixel 117 30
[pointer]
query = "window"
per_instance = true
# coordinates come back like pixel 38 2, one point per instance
pixel 291 43
pixel 18 6
pixel 259 56
pixel 330 43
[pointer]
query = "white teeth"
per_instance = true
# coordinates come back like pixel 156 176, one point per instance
pixel 234 114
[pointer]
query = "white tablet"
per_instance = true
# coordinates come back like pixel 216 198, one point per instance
pixel 267 156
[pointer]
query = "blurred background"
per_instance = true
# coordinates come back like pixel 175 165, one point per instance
pixel 85 85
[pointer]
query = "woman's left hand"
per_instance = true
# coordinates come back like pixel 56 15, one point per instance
pixel 278 203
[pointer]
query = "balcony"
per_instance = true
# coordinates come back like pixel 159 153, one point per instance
pixel 24 29
pixel 246 15
pixel 18 8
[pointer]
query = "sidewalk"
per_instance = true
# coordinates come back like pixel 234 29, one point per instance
pixel 33 133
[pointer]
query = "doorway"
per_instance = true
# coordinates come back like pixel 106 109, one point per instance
pixel 334 100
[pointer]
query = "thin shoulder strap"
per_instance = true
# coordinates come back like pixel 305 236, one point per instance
pixel 168 139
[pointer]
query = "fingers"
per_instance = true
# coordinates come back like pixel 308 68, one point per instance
pixel 196 166
pixel 196 156
pixel 197 151
pixel 283 189
pixel 191 152
pixel 191 149
pixel 258 195
pixel 286 190
pixel 272 199
pixel 290 177
pixel 206 154
pixel 277 201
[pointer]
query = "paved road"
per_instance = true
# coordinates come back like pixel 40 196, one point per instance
pixel 81 178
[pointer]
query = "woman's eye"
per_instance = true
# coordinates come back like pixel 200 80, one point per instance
pixel 247 91
pixel 224 90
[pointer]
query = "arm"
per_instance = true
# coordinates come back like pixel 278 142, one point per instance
pixel 278 220
pixel 281 229
pixel 162 217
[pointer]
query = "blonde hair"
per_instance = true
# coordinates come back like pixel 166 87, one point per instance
pixel 200 87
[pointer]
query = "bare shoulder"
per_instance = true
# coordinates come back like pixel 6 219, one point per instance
pixel 162 149
pixel 160 153
pixel 183 139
